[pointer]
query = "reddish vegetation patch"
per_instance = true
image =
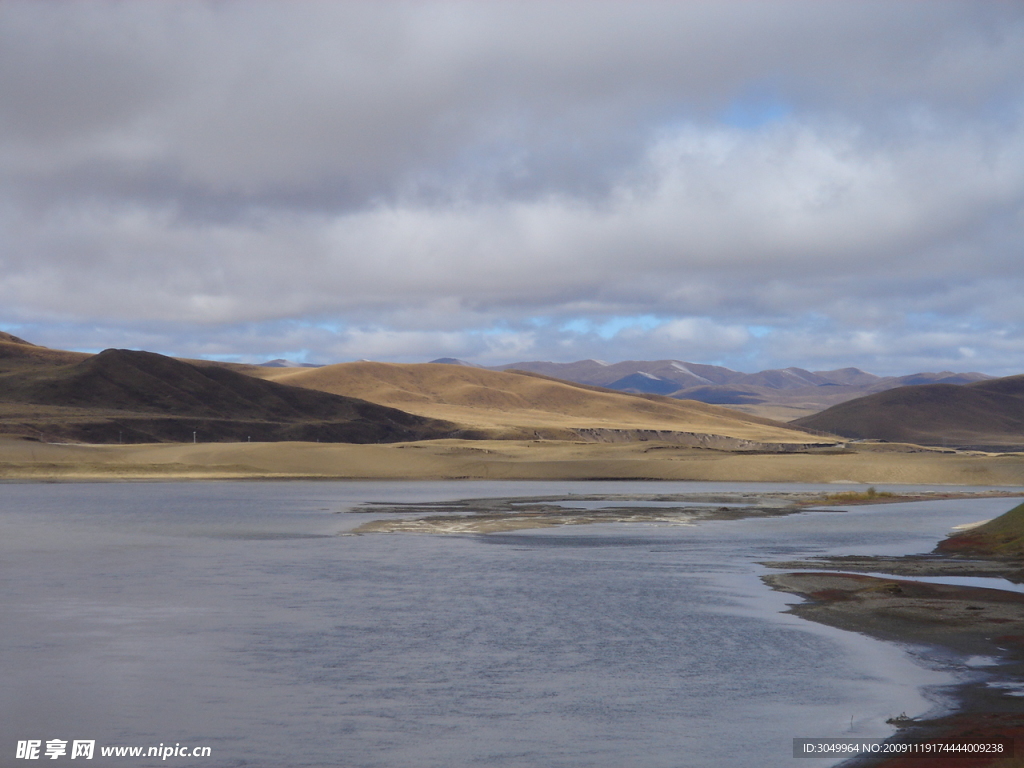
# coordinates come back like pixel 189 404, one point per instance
pixel 963 542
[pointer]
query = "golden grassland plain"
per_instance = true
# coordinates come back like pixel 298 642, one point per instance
pixel 500 460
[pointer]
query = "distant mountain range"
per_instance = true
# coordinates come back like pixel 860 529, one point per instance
pixel 673 376
pixel 282 363
pixel 785 393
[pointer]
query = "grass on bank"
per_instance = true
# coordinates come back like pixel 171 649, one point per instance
pixel 871 494
pixel 1001 537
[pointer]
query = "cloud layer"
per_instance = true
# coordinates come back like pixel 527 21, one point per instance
pixel 754 184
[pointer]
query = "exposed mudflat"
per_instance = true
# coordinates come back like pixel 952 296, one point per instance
pixel 972 620
pixel 495 515
pixel 911 565
pixel 510 514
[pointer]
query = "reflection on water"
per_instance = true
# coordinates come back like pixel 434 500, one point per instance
pixel 231 615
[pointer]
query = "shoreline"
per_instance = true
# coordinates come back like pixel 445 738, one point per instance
pixel 966 621
pixel 22 460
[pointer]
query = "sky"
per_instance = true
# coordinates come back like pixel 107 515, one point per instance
pixel 756 184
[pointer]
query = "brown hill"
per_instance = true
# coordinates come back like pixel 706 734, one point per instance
pixel 984 415
pixel 516 404
pixel 122 395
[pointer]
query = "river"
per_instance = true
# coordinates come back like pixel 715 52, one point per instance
pixel 233 616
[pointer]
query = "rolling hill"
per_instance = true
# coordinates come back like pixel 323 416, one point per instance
pixel 522 405
pixel 988 415
pixel 127 396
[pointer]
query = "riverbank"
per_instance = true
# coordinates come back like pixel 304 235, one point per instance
pixel 502 460
pixel 970 622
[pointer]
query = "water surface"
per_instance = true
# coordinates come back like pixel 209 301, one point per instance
pixel 232 615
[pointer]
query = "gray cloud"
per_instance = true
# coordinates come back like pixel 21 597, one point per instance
pixel 406 180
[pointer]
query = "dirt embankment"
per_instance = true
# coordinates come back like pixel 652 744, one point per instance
pixel 700 440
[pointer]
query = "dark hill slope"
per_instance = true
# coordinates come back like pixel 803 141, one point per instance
pixel 985 414
pixel 141 396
